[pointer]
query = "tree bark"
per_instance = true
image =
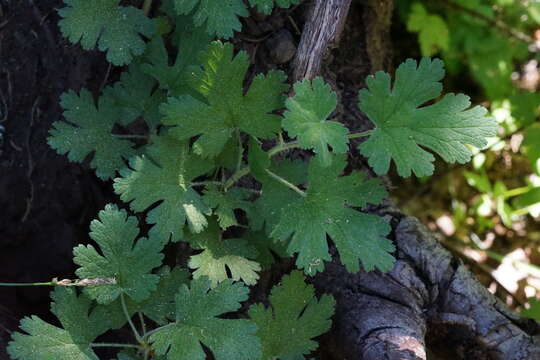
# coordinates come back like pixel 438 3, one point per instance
pixel 429 305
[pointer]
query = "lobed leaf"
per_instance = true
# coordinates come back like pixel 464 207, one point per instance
pixel 129 262
pixel 164 175
pixel 226 109
pixel 305 119
pixel 294 318
pixel 88 131
pixel 402 127
pixel 197 310
pixel 114 29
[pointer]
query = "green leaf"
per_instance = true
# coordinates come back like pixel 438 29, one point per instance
pixel 265 248
pixel 266 6
pixel 129 262
pixel 533 311
pixel 197 311
pixel 323 211
pixel 72 342
pixel 89 131
pixel 267 208
pixel 294 318
pixel 306 116
pixel 402 127
pixel 219 255
pixel 164 175
pixel 136 96
pixel 159 306
pixel 531 145
pixel 432 30
pixel 220 17
pixel 227 108
pixel 177 78
pixel 224 204
pixel 258 159
pixel 115 29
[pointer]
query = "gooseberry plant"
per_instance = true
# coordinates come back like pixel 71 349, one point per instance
pixel 210 172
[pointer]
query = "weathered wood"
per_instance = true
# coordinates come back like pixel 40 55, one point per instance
pixel 321 33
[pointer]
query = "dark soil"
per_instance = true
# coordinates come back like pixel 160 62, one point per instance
pixel 46 203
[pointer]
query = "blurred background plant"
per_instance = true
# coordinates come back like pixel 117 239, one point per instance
pixel 486 212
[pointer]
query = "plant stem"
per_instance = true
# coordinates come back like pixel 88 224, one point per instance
pixel 50 283
pixel 359 134
pixel 126 313
pixel 152 332
pixel 115 345
pixel 286 183
pixel 147 5
pixel 235 177
pixel 130 136
pixel 143 324
pixel 204 183
pixel 240 151
pixel 280 148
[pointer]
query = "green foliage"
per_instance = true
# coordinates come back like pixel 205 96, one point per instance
pixel 225 203
pixel 533 311
pixel 305 119
pixel 432 30
pixel 115 29
pixel 165 175
pixel 402 127
pixel 88 131
pixel 266 6
pixel 128 262
pixel 220 17
pixel 45 341
pixel 226 109
pixel 219 255
pixel 323 211
pixel 295 317
pixel 197 310
pixel 208 158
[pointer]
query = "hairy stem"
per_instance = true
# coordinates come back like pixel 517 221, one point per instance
pixel 131 325
pixel 280 148
pixel 50 283
pixel 286 183
pixel 130 136
pixel 116 345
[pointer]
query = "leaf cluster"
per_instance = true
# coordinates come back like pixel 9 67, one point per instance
pixel 208 173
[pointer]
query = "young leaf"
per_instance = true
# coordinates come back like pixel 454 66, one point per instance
pixel 178 77
pixel 135 95
pixel 167 180
pixel 224 204
pixel 128 262
pixel 220 17
pixel 115 29
pixel 227 108
pixel 197 311
pixel 306 116
pixel 402 127
pixel 322 211
pixel 46 341
pixel 89 131
pixel 294 318
pixel 219 254
pixel 266 6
